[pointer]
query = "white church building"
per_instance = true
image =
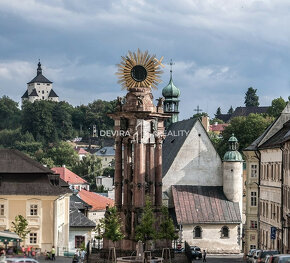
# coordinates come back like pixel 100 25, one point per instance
pixel 204 193
pixel 39 88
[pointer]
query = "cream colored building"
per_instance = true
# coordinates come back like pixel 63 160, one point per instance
pixel 263 188
pixel 39 88
pixel 252 182
pixel 286 195
pixel 33 191
pixel 107 155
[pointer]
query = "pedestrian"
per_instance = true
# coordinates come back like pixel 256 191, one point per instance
pixel 53 253
pixel 204 256
pixel 83 254
pixel 23 251
pixel 28 251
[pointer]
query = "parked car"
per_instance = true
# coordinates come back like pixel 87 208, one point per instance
pixel 269 259
pixel 261 256
pixel 21 260
pixel 254 256
pixel 196 252
pixel 281 258
pixel 250 255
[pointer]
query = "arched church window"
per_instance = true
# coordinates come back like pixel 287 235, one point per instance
pixel 197 232
pixel 225 232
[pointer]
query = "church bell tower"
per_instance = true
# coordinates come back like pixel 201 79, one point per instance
pixel 139 133
pixel 171 100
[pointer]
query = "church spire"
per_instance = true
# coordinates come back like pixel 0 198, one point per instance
pixel 171 99
pixel 39 69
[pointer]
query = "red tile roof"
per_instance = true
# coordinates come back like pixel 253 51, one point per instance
pixel 97 201
pixel 68 176
pixel 204 204
pixel 81 151
pixel 218 127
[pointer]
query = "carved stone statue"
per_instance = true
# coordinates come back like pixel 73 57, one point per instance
pixel 160 102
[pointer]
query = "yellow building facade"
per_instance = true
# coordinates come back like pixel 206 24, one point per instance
pixel 40 196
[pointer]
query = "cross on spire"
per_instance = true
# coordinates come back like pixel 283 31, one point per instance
pixel 198 110
pixel 171 64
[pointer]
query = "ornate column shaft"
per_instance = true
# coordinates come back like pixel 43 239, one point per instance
pixel 152 172
pixel 126 179
pixel 158 172
pixel 118 172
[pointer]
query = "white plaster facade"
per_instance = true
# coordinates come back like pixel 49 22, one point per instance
pixel 233 182
pixel 197 162
pixel 73 233
pixel 211 239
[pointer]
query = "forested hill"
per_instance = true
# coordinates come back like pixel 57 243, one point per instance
pixel 43 126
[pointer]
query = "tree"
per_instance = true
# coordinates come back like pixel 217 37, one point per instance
pixel 218 112
pixel 214 120
pixel 9 113
pixel 277 106
pixel 19 226
pixel 89 168
pixel 167 229
pixel 251 98
pixel 111 225
pixel 62 154
pixel 200 115
pixel 145 230
pixel 246 129
pixel 231 110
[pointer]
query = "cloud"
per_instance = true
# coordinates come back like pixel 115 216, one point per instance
pixel 220 48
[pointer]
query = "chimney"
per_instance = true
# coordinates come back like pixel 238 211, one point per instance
pixel 63 165
pixel 205 122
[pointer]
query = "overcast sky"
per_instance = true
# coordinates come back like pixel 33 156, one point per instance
pixel 219 47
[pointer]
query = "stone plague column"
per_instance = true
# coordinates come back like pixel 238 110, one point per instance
pixel 138 173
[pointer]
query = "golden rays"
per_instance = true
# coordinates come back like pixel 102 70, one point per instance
pixel 139 70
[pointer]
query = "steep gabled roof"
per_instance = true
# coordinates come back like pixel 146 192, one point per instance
pixel 81 151
pixel 13 161
pixel 98 202
pixel 176 136
pixel 281 136
pixel 52 94
pixel 33 93
pixel 39 79
pixel 105 151
pixel 77 203
pixel 78 219
pixel 245 111
pixel 68 176
pixel 204 204
pixel 272 129
pixel 25 95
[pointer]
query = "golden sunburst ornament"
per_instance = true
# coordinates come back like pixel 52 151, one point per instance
pixel 139 70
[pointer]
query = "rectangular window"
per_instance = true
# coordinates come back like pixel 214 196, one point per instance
pixel 43 92
pixel 2 210
pixel 254 224
pixel 33 238
pixel 33 210
pixel 252 246
pixel 254 170
pixel 43 97
pixel 253 198
pixel 79 240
